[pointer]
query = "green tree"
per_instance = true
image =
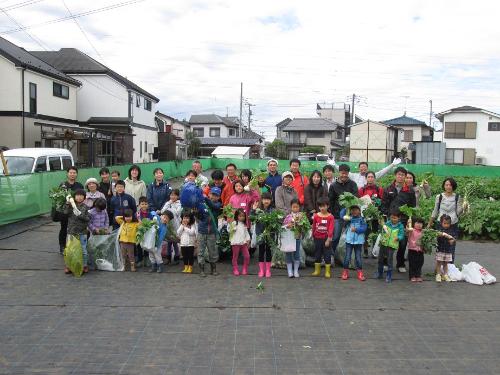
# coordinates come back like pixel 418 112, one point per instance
pixel 313 150
pixel 277 149
pixel 194 145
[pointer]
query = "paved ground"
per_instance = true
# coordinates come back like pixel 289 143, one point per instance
pixel 124 323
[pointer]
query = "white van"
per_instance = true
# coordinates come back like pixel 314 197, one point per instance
pixel 34 160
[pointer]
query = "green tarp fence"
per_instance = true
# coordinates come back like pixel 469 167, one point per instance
pixel 25 196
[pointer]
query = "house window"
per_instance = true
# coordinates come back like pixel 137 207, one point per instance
pixel 232 132
pixel 147 104
pixel 214 132
pixel 339 134
pixel 199 132
pixel 493 126
pixel 137 101
pixel 454 156
pixel 408 136
pixel 66 162
pixel 61 91
pixel 32 98
pixel 460 130
pixel 315 134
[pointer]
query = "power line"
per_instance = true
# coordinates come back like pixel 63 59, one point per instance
pixel 32 37
pixel 22 4
pixel 77 15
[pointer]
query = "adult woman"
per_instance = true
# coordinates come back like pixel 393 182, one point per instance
pixel 285 193
pixel 134 186
pixel 158 191
pixel 423 190
pixel 451 204
pixel 313 192
pixel 73 185
pixel 92 193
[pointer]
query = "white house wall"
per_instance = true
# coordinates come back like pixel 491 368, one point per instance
pixel 224 132
pixel 142 136
pixel 486 142
pixel 141 115
pixel 10 86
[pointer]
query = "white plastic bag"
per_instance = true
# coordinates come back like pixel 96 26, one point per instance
pixel 104 265
pixel 149 240
pixel 471 273
pixel 288 242
pixel 454 273
pixel 253 242
pixel 487 277
pixel 376 247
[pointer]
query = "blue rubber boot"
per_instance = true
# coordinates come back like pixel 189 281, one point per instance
pixel 380 273
pixel 388 278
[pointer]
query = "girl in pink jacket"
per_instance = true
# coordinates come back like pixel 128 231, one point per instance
pixel 243 200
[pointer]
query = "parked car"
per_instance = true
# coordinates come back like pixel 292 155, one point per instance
pixel 34 160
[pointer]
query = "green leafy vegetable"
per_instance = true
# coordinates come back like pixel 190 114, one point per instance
pixel 254 182
pixel 73 256
pixel 58 196
pixel 428 240
pixel 144 226
pixel 301 225
pixel 371 213
pixel 228 211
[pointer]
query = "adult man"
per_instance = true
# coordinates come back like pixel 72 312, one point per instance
pixel 73 185
pixel 273 180
pixel 229 180
pixel 360 178
pixel 396 195
pixel 299 181
pixel 201 180
pixel 341 185
pixel 285 193
pixel 328 171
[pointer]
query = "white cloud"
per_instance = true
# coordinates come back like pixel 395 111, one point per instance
pixel 289 54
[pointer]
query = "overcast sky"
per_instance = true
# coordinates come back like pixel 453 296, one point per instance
pixel 289 55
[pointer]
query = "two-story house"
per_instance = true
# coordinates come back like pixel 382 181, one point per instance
pixel 214 130
pixel 413 131
pixel 471 135
pixel 179 128
pixel 32 92
pixel 301 132
pixel 108 100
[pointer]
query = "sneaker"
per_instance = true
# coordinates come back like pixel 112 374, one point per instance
pixel 386 268
pixel 419 279
pixel 413 279
pixel 402 269
pixel 446 278
pixel 438 278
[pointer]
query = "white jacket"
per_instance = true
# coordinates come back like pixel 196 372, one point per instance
pixel 187 235
pixel 176 209
pixel 238 233
pixel 136 189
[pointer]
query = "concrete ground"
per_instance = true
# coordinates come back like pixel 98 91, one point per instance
pixel 172 323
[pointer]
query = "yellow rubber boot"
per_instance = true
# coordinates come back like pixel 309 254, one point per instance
pixel 185 269
pixel 317 269
pixel 327 271
pixel 189 269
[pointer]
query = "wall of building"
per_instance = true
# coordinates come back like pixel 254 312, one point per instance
pixel 224 130
pixel 10 87
pixel 11 131
pixel 486 142
pixel 140 114
pixel 372 142
pixel 139 140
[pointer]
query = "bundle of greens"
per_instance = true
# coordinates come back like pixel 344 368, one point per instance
pixel 223 242
pixel 272 223
pixel 254 182
pixel 372 238
pixel 371 213
pixel 471 190
pixel 73 256
pixel 301 226
pixel 347 200
pixel 228 212
pixel 428 240
pixel 58 197
pixel 144 226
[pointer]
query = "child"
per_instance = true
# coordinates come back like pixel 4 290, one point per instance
pixel 265 254
pixel 354 240
pixel 415 253
pixel 322 232
pixel 174 206
pixel 444 249
pixel 243 200
pixel 115 177
pixel 163 231
pixel 121 201
pixel 187 234
pixel 99 219
pixel 207 229
pixel 240 240
pixel 127 236
pixel 78 219
pixel 142 213
pixel 392 233
pixel 293 259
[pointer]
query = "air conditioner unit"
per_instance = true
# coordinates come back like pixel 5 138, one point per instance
pixel 480 160
pixel 151 148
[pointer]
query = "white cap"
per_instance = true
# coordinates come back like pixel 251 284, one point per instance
pixel 287 174
pixel 90 180
pixel 276 161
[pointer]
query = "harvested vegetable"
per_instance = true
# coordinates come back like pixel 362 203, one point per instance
pixel 254 182
pixel 347 200
pixel 73 256
pixel 428 240
pixel 144 226
pixel 300 226
pixel 471 191
pixel 58 196
pixel 228 212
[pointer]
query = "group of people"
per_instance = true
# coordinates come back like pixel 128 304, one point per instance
pixel 116 203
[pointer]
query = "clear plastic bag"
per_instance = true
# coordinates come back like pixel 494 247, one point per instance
pixel 376 247
pixel 104 250
pixel 287 241
pixel 149 240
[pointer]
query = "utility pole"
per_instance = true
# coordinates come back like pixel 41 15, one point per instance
pixel 250 114
pixel 430 114
pixel 352 109
pixel 241 109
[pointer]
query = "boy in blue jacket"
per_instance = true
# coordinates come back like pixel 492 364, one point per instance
pixel 207 230
pixel 120 202
pixel 354 240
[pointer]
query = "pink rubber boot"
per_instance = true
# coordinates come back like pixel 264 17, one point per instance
pixel 262 267
pixel 268 269
pixel 235 271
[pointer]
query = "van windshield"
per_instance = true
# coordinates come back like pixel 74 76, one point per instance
pixel 17 165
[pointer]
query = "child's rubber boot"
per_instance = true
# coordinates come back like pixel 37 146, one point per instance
pixel 361 276
pixel 262 269
pixel 202 270
pixel 185 268
pixel 380 272
pixel 317 269
pixel 388 278
pixel 190 269
pixel 328 273
pixel 132 267
pixel 289 268
pixel 160 268
pixel 345 274
pixel 154 267
pixel 244 269
pixel 296 268
pixel 268 269
pixel 235 271
pixel 213 269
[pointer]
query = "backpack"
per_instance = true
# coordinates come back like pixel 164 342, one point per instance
pixel 441 198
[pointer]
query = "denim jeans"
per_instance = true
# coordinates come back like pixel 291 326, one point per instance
pixel 337 233
pixel 294 256
pixel 357 255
